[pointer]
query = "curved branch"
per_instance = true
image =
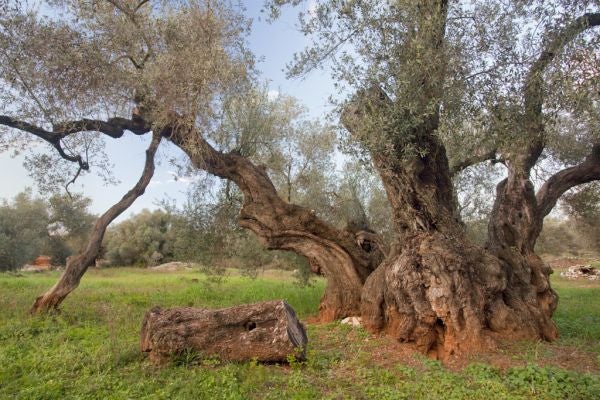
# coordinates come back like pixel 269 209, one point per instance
pixel 281 225
pixel 559 183
pixel 113 127
pixel 11 122
pixel 534 83
pixel 263 211
pixel 473 159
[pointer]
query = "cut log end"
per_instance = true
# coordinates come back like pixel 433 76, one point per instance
pixel 267 332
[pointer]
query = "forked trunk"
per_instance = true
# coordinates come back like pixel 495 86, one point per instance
pixel 77 265
pixel 436 289
pixel 447 295
pixel 450 296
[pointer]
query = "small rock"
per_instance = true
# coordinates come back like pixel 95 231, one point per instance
pixel 172 266
pixel 33 268
pixel 581 272
pixel 354 321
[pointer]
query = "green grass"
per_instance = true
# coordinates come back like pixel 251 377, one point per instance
pixel 91 350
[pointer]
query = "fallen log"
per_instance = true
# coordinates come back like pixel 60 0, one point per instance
pixel 267 331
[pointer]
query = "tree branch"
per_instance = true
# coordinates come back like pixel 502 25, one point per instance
pixel 277 223
pixel 140 4
pixel 534 83
pixel 131 15
pixel 114 127
pixel 77 265
pixel 559 183
pixel 476 158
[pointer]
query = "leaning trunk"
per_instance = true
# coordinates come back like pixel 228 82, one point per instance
pixel 336 254
pixel 78 265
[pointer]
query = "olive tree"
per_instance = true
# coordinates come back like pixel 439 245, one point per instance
pixel 438 86
pixel 94 69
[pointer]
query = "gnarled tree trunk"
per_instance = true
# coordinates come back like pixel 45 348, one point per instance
pixel 77 265
pixel 442 292
pixel 436 289
pixel 337 254
pixel 515 224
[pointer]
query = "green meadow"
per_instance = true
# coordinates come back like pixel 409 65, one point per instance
pixel 91 349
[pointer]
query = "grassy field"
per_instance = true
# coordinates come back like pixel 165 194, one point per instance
pixel 91 350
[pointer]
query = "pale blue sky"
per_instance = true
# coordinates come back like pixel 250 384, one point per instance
pixel 275 43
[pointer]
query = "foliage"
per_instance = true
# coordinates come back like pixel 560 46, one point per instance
pixel 92 349
pixel 144 239
pixel 30 227
pixel 477 77
pixel 70 60
pixel 561 237
pixel 360 201
pixel 583 207
pixel 23 230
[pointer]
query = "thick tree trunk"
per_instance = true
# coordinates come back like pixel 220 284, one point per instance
pixel 515 224
pixel 436 289
pixel 78 265
pixel 448 296
pixel 267 331
pixel 337 254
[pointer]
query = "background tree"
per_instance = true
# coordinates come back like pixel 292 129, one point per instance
pixel 144 239
pixel 23 230
pixel 583 208
pixel 31 226
pixel 70 223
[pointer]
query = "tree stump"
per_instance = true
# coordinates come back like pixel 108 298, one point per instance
pixel 267 331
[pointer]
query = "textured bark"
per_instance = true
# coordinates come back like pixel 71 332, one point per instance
pixel 448 296
pixel 515 224
pixel 337 254
pixel 78 265
pixel 434 288
pixel 267 331
pixel 434 291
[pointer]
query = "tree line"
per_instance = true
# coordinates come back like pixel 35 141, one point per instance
pixel 207 233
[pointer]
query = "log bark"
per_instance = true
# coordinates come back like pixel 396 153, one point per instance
pixel 77 265
pixel 267 331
